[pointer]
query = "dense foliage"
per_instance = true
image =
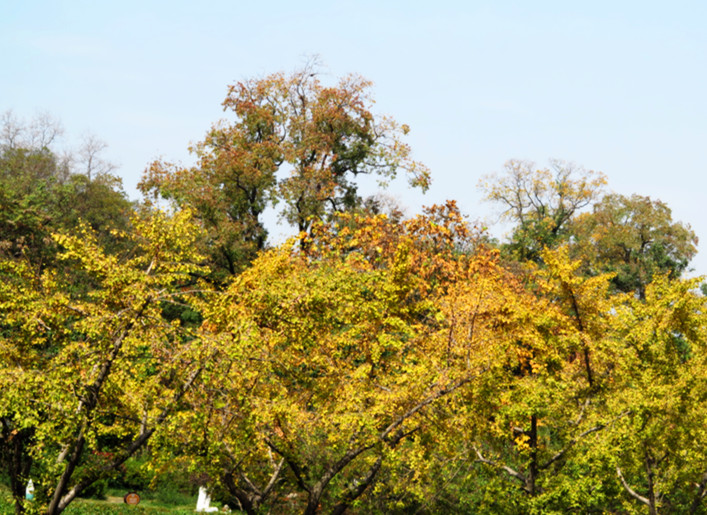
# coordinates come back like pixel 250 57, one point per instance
pixel 371 364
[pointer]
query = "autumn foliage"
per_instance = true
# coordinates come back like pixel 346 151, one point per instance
pixel 372 363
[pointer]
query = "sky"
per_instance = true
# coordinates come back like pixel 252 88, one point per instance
pixel 614 86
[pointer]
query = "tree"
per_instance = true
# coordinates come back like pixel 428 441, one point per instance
pixel 29 180
pixel 333 357
pixel 541 202
pixel 530 416
pixel 41 192
pixel 635 238
pixel 87 377
pixel 293 141
pixel 42 132
pixel 90 160
pixel 655 452
pixel 599 405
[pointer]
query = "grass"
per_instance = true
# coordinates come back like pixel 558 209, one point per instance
pixel 112 506
pixel 90 507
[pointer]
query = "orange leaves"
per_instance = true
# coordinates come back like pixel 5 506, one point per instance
pixel 435 247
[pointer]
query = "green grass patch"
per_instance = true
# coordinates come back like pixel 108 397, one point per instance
pixel 98 507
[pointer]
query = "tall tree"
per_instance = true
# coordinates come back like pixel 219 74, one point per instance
pixel 42 190
pixel 293 141
pixel 633 237
pixel 544 402
pixel 541 202
pixel 656 453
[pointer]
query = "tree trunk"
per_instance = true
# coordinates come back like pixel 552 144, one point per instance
pixel 533 468
pixel 19 463
pixel 315 496
pixel 354 493
pixel 244 498
pixel 54 506
pixel 648 462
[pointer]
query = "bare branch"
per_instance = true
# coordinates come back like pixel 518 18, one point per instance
pixel 44 130
pixel 90 157
pixel 294 467
pixel 273 478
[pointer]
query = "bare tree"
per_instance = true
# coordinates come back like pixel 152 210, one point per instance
pixel 89 157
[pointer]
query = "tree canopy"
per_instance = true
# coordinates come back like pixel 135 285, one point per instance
pixel 294 142
pixel 372 363
pixel 43 189
pixel 541 202
pixel 636 238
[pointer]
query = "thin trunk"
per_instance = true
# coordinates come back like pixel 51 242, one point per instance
pixel 88 405
pixel 19 463
pixel 317 489
pixel 533 468
pixel 650 475
pixel 251 497
pixel 701 491
pixel 134 446
pixel 244 498
pixel 358 489
pixel 229 260
pixel 54 508
pixel 315 495
pixel 585 348
pixel 588 365
pixel 630 490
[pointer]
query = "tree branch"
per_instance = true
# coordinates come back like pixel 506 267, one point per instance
pixel 136 444
pixel 701 492
pixel 294 467
pixel 357 488
pixel 561 453
pixel 426 402
pixel 273 479
pixel 89 403
pixel 508 470
pixel 630 490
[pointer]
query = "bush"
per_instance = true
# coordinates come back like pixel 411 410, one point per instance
pixel 136 475
pixel 97 490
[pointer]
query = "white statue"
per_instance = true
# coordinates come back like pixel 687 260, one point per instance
pixel 203 502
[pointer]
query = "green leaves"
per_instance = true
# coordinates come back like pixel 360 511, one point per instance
pixel 99 370
pixel 633 237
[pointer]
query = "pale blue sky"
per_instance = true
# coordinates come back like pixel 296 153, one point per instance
pixel 614 86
